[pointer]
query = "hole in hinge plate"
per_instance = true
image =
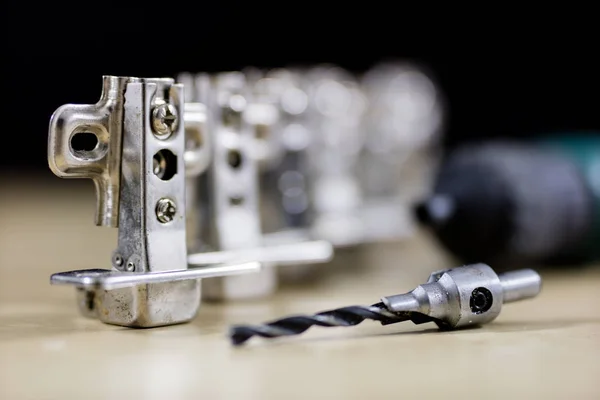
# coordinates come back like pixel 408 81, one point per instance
pixel 236 200
pixel 193 138
pixel 85 143
pixel 234 158
pixel 164 164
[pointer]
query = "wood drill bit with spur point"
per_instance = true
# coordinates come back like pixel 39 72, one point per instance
pixel 453 298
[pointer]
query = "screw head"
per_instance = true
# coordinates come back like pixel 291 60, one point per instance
pixel 165 210
pixel 130 266
pixel 481 300
pixel 164 120
pixel 118 260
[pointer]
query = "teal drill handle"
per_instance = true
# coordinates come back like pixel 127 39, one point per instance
pixel 584 151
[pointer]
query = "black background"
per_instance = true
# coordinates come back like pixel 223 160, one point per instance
pixel 502 73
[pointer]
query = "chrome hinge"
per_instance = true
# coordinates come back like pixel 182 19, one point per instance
pixel 241 122
pixel 137 159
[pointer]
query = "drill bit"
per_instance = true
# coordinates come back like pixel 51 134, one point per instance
pixel 458 297
pixel 294 325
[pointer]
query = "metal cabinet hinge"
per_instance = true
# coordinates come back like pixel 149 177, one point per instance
pixel 132 144
pixel 241 120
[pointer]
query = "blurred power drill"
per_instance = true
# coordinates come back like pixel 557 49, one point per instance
pixel 514 203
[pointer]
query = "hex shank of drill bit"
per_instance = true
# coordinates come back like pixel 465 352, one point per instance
pixel 519 285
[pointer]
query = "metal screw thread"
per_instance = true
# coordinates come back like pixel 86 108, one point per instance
pixel 165 210
pixel 164 120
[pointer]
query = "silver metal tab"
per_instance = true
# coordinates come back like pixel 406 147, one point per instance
pixel 281 254
pixel 109 279
pixel 84 141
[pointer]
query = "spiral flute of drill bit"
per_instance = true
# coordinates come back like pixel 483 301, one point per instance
pixel 295 325
pixel 459 297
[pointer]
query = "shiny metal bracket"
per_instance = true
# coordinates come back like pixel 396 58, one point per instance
pixel 238 121
pixel 132 144
pixel 110 279
pixel 285 166
pixel 233 187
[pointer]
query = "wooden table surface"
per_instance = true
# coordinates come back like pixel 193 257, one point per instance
pixel 545 348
